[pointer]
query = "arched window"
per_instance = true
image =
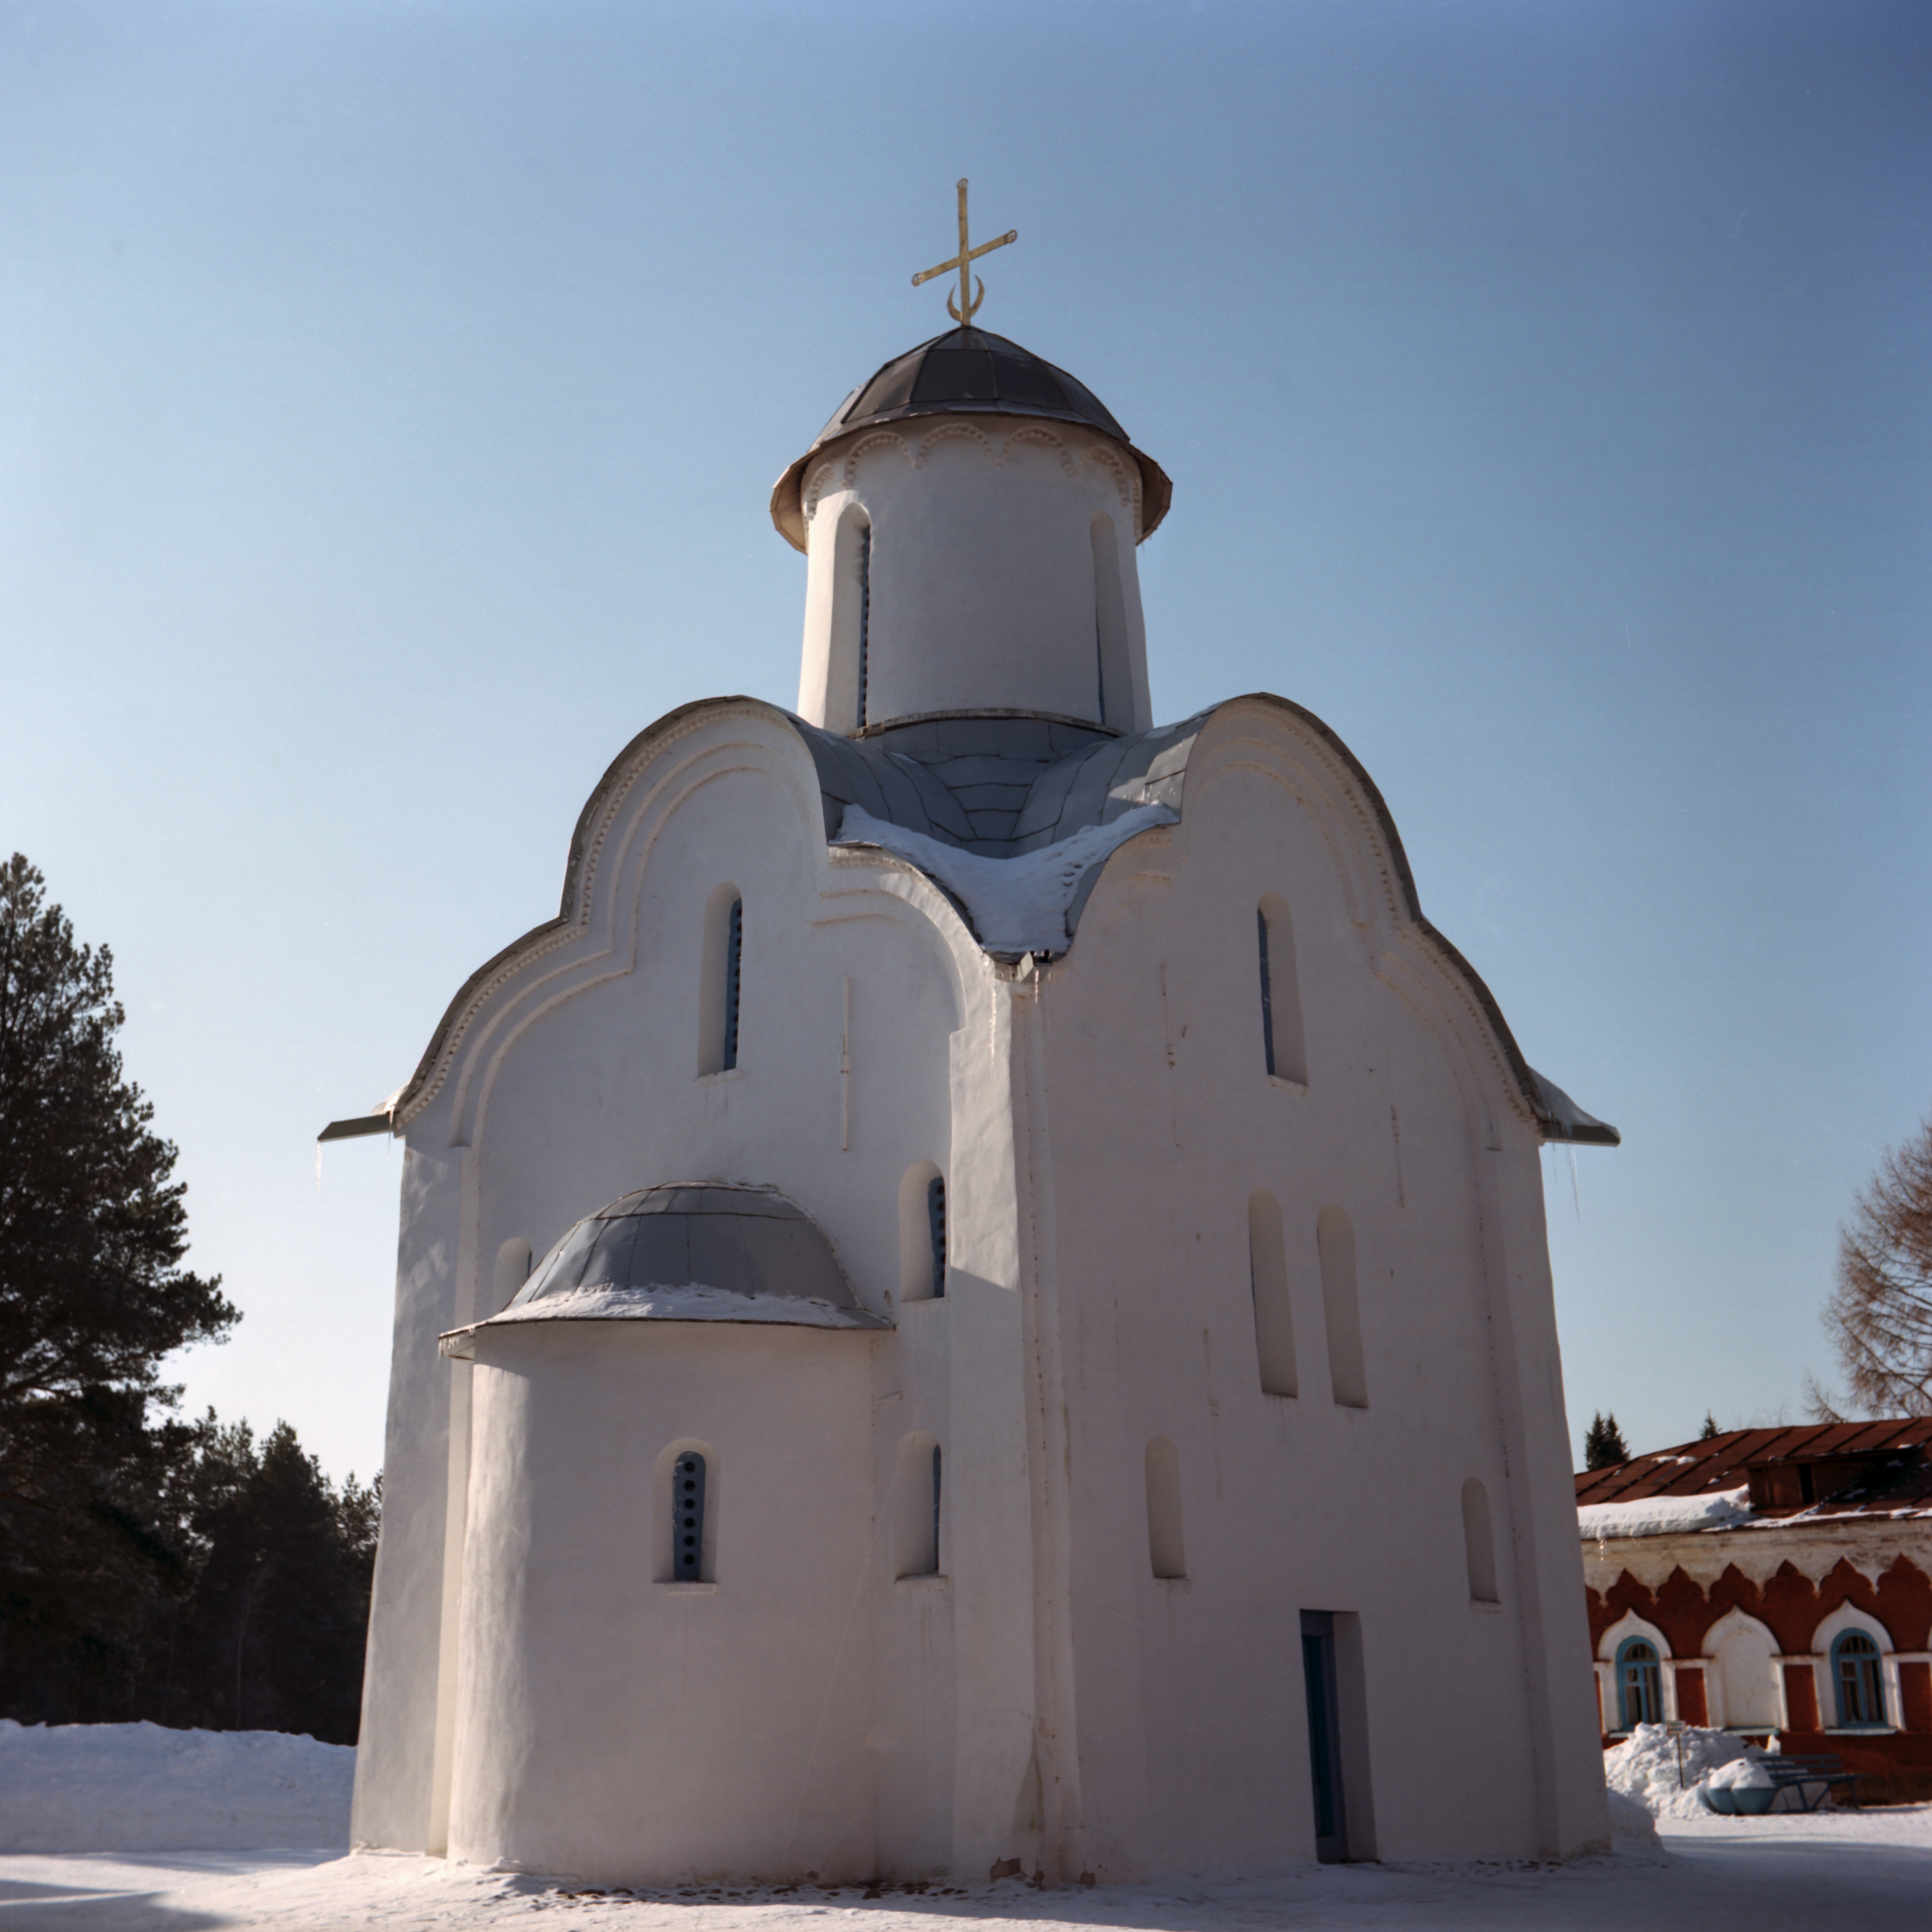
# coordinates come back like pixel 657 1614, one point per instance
pixel 1267 1280
pixel 916 1508
pixel 1113 676
pixel 923 1243
pixel 1639 1684
pixel 1855 1670
pixel 720 991
pixel 687 1518
pixel 512 1270
pixel 1167 1551
pixel 1284 1049
pixel 1335 1242
pixel 1479 1545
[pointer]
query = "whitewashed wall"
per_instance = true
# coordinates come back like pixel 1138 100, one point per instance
pixel 989 588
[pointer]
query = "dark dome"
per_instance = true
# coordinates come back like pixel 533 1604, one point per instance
pixel 967 372
pixel 743 1240
pixel 969 369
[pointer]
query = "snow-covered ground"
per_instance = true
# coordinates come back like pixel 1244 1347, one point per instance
pixel 1872 1872
pixel 94 1785
pixel 140 1787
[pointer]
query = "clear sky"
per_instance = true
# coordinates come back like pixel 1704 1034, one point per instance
pixel 390 395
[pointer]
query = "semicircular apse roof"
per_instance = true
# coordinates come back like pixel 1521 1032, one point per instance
pixel 704 1251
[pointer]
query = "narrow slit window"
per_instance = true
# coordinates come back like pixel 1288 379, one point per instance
pixel 1113 672
pixel 720 981
pixel 1479 1543
pixel 937 1473
pixel 687 1519
pixel 1267 992
pixel 734 954
pixel 935 1228
pixel 865 615
pixel 1284 1047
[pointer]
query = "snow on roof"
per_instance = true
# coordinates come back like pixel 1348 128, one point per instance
pixel 1877 1468
pixel 683 1301
pixel 1014 905
pixel 1663 1516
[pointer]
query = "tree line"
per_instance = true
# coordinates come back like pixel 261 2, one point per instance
pixel 150 1566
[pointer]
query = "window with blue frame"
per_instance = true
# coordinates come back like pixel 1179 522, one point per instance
pixel 1855 1670
pixel 1639 1684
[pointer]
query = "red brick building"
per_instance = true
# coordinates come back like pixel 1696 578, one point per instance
pixel 1771 1581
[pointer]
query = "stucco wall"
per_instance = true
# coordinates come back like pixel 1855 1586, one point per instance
pixel 1101 1126
pixel 1162 1120
pixel 618 1725
pixel 946 632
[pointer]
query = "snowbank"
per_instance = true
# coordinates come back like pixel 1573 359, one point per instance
pixel 139 1787
pixel 1016 905
pixel 1660 1515
pixel 1644 1767
pixel 1629 1819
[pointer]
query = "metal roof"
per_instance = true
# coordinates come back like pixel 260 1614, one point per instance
pixel 1902 1480
pixel 968 372
pixel 713 1251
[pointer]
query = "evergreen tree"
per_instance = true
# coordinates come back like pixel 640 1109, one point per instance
pixel 1710 1428
pixel 92 1229
pixel 1603 1444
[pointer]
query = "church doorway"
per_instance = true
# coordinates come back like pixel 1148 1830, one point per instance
pixel 1324 1735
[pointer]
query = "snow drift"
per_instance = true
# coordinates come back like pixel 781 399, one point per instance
pixel 1644 1768
pixel 140 1787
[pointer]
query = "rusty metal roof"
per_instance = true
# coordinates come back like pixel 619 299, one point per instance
pixel 1901 1478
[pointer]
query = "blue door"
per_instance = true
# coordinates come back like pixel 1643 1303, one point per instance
pixel 1324 1735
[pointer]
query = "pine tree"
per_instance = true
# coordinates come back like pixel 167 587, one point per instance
pixel 1603 1444
pixel 1710 1428
pixel 92 1229
pixel 272 1636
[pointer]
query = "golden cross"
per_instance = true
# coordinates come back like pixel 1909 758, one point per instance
pixel 969 302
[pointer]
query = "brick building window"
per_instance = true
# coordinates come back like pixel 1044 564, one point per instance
pixel 1854 1669
pixel 1639 1684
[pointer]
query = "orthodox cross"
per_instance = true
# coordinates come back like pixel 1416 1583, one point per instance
pixel 969 302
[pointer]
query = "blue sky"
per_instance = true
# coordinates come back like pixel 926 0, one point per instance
pixel 390 395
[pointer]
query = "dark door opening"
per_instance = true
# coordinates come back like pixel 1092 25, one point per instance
pixel 1324 1735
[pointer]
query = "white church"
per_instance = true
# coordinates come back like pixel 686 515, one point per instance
pixel 977 1302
